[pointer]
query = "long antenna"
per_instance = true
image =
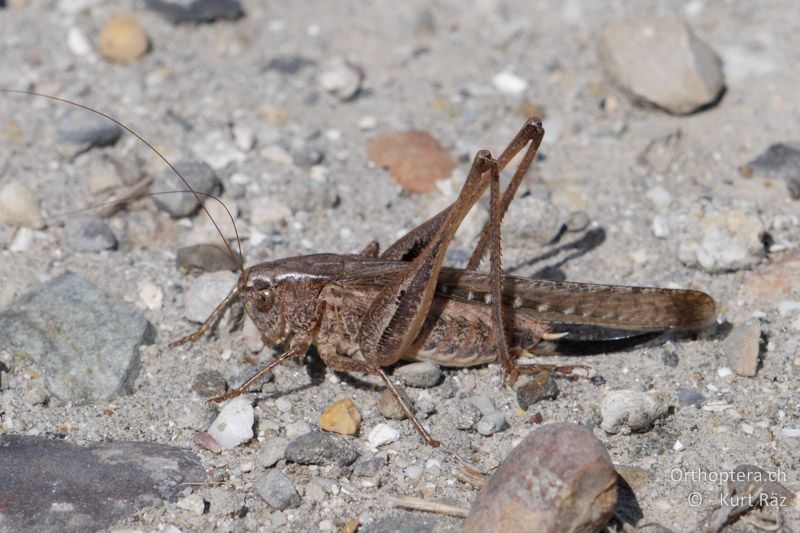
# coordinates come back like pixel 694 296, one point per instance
pixel 164 159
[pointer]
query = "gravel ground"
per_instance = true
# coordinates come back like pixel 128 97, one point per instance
pixel 282 103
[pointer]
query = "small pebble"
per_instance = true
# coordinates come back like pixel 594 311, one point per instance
pixel 780 162
pixel 272 450
pixel 382 434
pixel 492 423
pixel 196 11
pixel 724 240
pixel 724 372
pixel 389 407
pixel 193 503
pixel 414 472
pixel 78 43
pixel 340 79
pixel 423 374
pixel 320 448
pixel 483 403
pixel 670 358
pixel 19 207
pixel 689 396
pixel 209 383
pixel 205 293
pixel 200 176
pixel 368 123
pixel 283 405
pixel 577 221
pixel 742 347
pixel 23 238
pixel 342 417
pixel 628 410
pixel 369 467
pixel 509 83
pixel 151 295
pixel 424 404
pixel 234 424
pixel 541 387
pixel 83 127
pixel 277 489
pixel 297 429
pixel 206 258
pixel 466 416
pixel 207 442
pixel 660 227
pixel 559 478
pixel 122 39
pixel 89 233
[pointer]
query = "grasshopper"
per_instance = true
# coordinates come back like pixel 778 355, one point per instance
pixel 368 311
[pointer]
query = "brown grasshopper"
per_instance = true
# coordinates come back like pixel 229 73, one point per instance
pixel 368 311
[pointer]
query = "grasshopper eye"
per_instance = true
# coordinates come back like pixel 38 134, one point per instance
pixel 264 299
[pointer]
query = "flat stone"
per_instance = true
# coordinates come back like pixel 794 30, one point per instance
pixel 85 342
pixel 689 396
pixel 560 478
pixel 742 347
pixel 277 489
pixel 319 448
pixel 52 485
pixel 80 126
pixel 89 233
pixel 492 423
pixel 660 61
pixel 206 258
pixel 200 176
pixel 423 374
pixel 209 383
pixel 196 11
pixel 628 410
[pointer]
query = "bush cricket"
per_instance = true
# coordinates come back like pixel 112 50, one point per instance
pixel 368 311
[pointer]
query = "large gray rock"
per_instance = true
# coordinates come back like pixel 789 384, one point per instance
pixel 85 342
pixel 52 485
pixel 659 60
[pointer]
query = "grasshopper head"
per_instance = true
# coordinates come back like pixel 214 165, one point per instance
pixel 260 295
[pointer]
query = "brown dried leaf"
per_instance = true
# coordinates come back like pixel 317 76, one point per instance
pixel 414 158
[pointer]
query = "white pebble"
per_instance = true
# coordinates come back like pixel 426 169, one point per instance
pixel 151 295
pixel 192 503
pixel 678 446
pixel 509 83
pixel 78 43
pixel 724 372
pixel 382 434
pixel 660 227
pixel 234 425
pixel 368 123
pixel 22 240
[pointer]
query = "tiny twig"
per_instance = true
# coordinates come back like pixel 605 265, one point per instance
pixel 420 504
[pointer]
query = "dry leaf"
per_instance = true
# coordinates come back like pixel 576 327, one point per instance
pixel 414 158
